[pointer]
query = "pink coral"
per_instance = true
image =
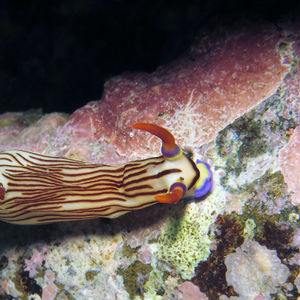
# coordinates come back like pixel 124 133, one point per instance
pixel 145 255
pixel 203 91
pixel 191 292
pixel 34 262
pixel 221 77
pixel 289 159
pixel 4 286
pixel 50 290
pixel 260 297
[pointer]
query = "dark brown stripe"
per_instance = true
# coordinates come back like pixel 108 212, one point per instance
pixel 156 176
pixel 196 171
pixel 14 158
pixel 145 186
pixel 5 158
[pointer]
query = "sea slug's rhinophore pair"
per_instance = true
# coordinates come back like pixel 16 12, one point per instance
pixel 37 189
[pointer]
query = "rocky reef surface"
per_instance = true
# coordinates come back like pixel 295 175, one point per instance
pixel 233 100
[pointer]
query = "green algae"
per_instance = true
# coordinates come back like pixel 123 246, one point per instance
pixel 286 49
pixel 257 219
pixel 185 241
pixel 293 217
pixel 156 284
pixel 90 275
pixel 129 252
pixel 276 185
pixel 254 136
pixel 249 230
pixel 250 132
pixel 26 285
pixel 63 293
pixel 254 219
pixel 21 119
pixel 135 276
pixel 238 143
pixel 243 138
pixel 272 196
pixel 272 184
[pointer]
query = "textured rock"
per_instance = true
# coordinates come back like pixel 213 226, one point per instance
pixel 289 158
pixel 191 292
pixel 254 270
pixel 29 131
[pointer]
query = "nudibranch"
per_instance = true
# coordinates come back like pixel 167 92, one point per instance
pixel 38 189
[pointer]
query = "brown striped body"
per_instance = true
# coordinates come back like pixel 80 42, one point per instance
pixel 39 189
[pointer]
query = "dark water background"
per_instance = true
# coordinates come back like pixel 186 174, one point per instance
pixel 56 55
